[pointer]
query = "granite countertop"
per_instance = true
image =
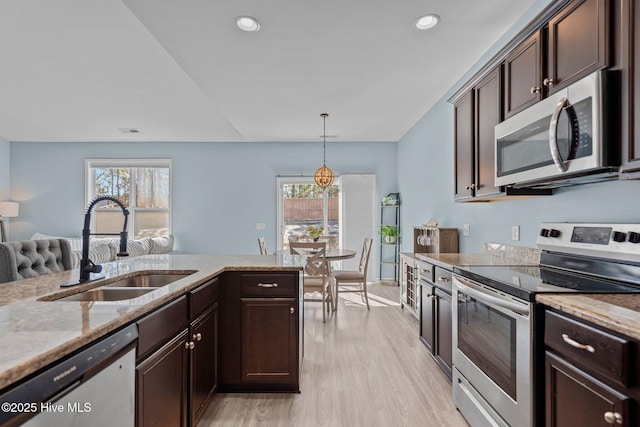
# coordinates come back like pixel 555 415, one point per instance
pixel 37 333
pixel 617 312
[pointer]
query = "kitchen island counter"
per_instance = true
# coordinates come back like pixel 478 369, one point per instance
pixel 36 333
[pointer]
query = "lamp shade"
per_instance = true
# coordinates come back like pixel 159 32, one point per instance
pixel 9 209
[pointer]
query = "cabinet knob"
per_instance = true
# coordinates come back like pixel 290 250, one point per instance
pixel 197 337
pixel 189 345
pixel 471 187
pixel 443 279
pixel 535 89
pixel 548 82
pixel 292 310
pixel 612 417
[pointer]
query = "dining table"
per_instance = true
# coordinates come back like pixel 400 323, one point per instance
pixel 332 254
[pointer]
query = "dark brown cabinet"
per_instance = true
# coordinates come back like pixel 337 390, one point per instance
pixel 176 374
pixel 269 327
pixel 574 43
pixel 522 75
pixel 161 385
pixel 260 331
pixel 476 115
pixel 591 376
pixel 435 314
pixel 630 168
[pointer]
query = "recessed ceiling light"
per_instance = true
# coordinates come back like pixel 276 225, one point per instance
pixel 247 23
pixel 427 21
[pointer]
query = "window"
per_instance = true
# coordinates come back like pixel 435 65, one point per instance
pixel 301 203
pixel 143 186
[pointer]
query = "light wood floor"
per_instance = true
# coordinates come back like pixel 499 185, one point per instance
pixel 361 368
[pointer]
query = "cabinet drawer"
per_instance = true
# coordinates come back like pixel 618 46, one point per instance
pixel 269 284
pixel 426 271
pixel 443 278
pixel 158 326
pixel 203 297
pixel 587 346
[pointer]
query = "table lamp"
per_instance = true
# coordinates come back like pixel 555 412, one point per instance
pixel 7 210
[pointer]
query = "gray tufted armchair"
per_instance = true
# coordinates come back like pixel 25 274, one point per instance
pixel 33 258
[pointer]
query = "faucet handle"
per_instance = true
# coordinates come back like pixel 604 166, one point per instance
pixel 93 268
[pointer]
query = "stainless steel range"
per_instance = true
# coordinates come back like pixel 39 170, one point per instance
pixel 495 315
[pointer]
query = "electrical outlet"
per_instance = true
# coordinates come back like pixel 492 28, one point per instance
pixel 466 230
pixel 260 226
pixel 515 232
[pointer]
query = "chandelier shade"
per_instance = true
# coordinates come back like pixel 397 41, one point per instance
pixel 324 176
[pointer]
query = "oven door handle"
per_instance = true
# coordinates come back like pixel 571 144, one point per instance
pixel 499 302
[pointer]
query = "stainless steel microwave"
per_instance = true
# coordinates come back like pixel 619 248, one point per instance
pixel 570 137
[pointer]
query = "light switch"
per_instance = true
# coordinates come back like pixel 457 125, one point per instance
pixel 466 230
pixel 515 232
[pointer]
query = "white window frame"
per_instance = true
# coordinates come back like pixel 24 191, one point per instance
pixel 280 180
pixel 90 184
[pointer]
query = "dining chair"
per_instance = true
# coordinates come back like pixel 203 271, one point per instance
pixel 262 246
pixel 354 277
pixel 317 273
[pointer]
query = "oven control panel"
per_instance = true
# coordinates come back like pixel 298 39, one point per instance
pixel 619 241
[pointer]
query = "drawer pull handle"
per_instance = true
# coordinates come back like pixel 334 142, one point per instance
pixel 268 285
pixel 443 279
pixel 612 417
pixel 576 344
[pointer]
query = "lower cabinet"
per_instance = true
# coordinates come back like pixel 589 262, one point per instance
pixel 177 359
pixel 161 385
pixel 269 328
pixel 435 314
pixel 591 374
pixel 260 332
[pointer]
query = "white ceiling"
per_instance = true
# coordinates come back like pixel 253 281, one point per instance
pixel 176 70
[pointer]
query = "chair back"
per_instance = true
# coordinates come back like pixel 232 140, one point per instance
pixel 317 264
pixel 364 257
pixel 33 258
pixel 262 246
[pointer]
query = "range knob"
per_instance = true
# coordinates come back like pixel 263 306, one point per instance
pixel 544 232
pixel 554 233
pixel 633 237
pixel 619 236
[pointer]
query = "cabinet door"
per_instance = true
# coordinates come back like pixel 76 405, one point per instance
pixel 444 337
pixel 631 94
pixel 574 398
pixel 464 147
pixel 488 111
pixel 161 383
pixel 204 362
pixel 269 340
pixel 522 70
pixel 578 42
pixel 427 317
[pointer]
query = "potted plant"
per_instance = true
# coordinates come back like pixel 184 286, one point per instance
pixel 315 232
pixel 389 233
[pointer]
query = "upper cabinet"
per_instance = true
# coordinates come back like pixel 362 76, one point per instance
pixel 630 168
pixel 523 71
pixel 476 115
pixel 574 43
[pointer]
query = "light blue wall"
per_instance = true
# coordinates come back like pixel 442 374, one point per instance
pixel 220 190
pixel 5 152
pixel 426 178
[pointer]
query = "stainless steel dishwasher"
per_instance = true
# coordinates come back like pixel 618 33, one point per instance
pixel 93 387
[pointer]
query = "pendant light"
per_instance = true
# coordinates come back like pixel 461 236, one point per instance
pixel 324 175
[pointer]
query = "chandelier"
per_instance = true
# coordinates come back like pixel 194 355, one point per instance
pixel 324 175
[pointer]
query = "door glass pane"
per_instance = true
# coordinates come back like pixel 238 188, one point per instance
pixel 306 205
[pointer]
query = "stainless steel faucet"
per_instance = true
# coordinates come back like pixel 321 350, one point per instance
pixel 86 265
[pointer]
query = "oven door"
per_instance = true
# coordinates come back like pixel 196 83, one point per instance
pixel 559 135
pixel 492 352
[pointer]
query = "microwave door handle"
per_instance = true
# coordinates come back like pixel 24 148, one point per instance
pixel 553 135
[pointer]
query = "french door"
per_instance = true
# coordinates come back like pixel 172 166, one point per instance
pixel 302 204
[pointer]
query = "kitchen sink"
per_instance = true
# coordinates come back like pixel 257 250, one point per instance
pixel 124 288
pixel 107 294
pixel 151 280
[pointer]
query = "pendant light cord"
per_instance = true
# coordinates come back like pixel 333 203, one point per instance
pixel 324 139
